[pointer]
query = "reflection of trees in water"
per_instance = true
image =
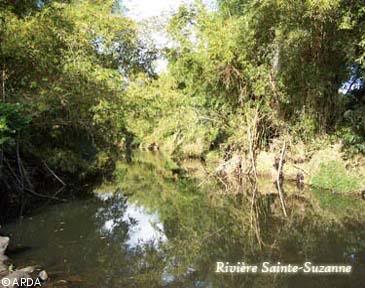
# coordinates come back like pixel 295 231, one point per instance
pixel 110 216
pixel 126 264
pixel 202 230
pixel 200 227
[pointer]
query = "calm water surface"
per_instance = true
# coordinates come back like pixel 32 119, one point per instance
pixel 149 229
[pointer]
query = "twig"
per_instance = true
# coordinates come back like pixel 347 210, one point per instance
pixel 54 174
pixel 206 237
pixel 301 169
pixel 350 86
pixel 13 173
pixel 24 171
pixel 253 145
pixel 59 191
pixel 3 83
pixel 225 185
pixel 31 191
pixel 42 195
pixel 3 99
pixel 19 166
pixel 278 182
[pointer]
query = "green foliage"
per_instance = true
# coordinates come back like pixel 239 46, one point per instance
pixel 12 122
pixel 70 62
pixel 351 129
pixel 202 227
pixel 333 176
pixel 290 57
pixel 353 142
pixel 88 79
pixel 304 128
pixel 286 59
pixel 158 112
pixel 213 61
pixel 339 205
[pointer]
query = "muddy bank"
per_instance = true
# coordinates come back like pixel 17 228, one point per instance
pixel 326 168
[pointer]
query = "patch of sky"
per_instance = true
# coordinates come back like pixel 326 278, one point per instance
pixel 355 81
pixel 153 16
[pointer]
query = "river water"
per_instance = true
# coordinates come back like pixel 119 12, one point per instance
pixel 149 228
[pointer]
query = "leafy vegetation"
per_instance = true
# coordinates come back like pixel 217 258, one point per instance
pixel 12 122
pixel 78 83
pixel 202 226
pixel 64 65
pixel 299 64
pixel 333 176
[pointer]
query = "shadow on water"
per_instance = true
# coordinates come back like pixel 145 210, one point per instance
pixel 149 229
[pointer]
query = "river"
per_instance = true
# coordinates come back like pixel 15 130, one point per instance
pixel 149 228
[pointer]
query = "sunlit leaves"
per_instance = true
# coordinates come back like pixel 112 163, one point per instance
pixel 71 62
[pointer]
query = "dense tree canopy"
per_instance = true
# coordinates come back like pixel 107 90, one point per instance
pixel 78 78
pixel 292 59
pixel 68 63
pixel 65 67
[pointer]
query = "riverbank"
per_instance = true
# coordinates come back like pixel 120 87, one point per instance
pixel 28 182
pixel 11 278
pixel 146 226
pixel 323 166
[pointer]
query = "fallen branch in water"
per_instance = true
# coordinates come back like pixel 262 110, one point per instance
pixel 254 139
pixel 279 179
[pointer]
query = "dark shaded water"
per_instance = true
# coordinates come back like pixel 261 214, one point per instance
pixel 148 229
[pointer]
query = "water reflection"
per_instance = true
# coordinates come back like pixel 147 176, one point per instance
pixel 147 229
pixel 143 227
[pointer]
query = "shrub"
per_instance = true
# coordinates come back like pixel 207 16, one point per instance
pixel 12 122
pixel 333 175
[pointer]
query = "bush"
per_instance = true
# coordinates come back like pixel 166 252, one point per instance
pixel 12 122
pixel 352 141
pixel 333 176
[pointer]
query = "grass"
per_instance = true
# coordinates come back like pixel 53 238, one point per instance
pixel 333 176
